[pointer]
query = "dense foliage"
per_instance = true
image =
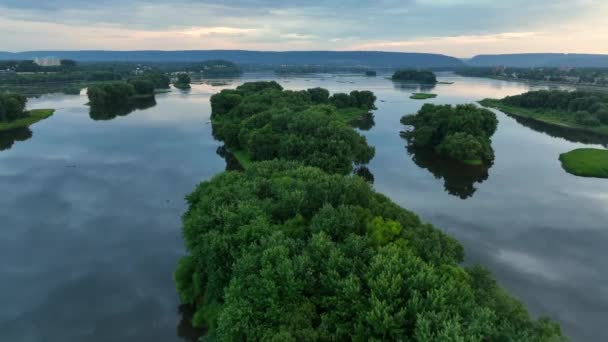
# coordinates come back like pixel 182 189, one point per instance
pixel 460 132
pixel 267 122
pixel 107 100
pixel 592 76
pixel 12 106
pixel 581 107
pixel 183 81
pixel 282 252
pixel 415 76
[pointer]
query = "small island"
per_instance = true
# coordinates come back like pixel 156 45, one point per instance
pixel 371 73
pixel 577 110
pixel 415 76
pixel 13 114
pixel 586 162
pixel 462 133
pixel 107 100
pixel 422 96
pixel 260 121
pixel 182 82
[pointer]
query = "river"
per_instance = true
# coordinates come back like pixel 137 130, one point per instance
pixel 90 210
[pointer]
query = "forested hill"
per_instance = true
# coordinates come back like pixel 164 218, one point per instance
pixel 530 60
pixel 342 58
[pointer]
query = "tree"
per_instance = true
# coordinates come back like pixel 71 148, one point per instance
pixel 460 132
pixel 415 76
pixel 142 86
pixel 183 81
pixel 267 122
pixel 289 253
pixel 12 106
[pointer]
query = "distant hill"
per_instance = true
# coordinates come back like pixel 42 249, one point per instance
pixel 341 58
pixel 527 60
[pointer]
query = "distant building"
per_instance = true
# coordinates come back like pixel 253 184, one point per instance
pixel 47 61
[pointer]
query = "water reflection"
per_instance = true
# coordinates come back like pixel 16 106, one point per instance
pixel 185 330
pixel 459 179
pixel 8 138
pixel 104 113
pixel 365 123
pixel 413 87
pixel 365 173
pixel 570 134
pixel 232 164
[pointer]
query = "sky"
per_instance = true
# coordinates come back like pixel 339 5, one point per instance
pixel 461 28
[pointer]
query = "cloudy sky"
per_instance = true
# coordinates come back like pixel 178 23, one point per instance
pixel 460 28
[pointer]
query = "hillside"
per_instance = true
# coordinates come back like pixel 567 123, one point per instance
pixel 527 60
pixel 342 58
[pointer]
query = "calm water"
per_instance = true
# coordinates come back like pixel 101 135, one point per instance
pixel 90 211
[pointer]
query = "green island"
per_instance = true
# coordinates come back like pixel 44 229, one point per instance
pixel 287 252
pixel 422 96
pixel 586 162
pixel 13 114
pixel 578 110
pixel 462 133
pixel 415 76
pixel 182 82
pixel 260 121
pixel 110 99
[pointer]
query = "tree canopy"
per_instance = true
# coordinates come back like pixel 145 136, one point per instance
pixel 285 252
pixel 12 106
pixel 459 132
pixel 582 107
pixel 267 122
pixel 415 76
pixel 183 81
pixel 107 100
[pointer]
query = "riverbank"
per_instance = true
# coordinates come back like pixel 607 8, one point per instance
pixel 544 117
pixel 31 118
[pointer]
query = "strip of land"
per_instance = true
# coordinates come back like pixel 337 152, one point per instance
pixel 547 116
pixel 29 119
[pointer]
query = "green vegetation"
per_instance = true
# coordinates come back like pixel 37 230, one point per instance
pixel 586 162
pixel 108 100
pixel 576 76
pixel 13 114
pixel 284 252
pixel 415 76
pixel 461 133
pixel 183 81
pixel 216 69
pixel 27 119
pixel 261 121
pixel 576 109
pixel 422 96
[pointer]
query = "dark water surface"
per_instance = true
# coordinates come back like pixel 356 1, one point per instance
pixel 90 211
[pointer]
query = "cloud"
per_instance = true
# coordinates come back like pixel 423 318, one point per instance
pixel 283 25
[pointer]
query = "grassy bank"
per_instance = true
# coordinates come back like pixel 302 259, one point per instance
pixel 586 162
pixel 31 118
pixel 422 96
pixel 549 117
